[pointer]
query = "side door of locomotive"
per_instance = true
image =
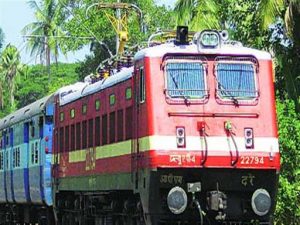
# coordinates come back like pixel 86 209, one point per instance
pixel 138 100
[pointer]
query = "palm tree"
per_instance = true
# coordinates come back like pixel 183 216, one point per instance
pixel 270 10
pixel 292 21
pixel 41 33
pixel 198 14
pixel 202 14
pixel 10 69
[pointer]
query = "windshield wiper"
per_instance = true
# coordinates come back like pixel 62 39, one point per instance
pixel 186 100
pixel 232 97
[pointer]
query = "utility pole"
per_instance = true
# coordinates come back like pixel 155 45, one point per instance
pixel 47 56
pixel 118 16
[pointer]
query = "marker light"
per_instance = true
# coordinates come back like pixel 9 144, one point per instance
pixel 180 137
pixel 209 39
pixel 249 141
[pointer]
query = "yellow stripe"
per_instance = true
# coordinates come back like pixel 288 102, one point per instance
pixel 77 156
pixel 111 150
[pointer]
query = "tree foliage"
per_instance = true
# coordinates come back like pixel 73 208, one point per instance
pixel 288 211
pixel 95 24
pixel 36 85
pixel 44 40
pixel 10 69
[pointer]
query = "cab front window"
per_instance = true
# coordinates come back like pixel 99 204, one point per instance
pixel 236 80
pixel 185 80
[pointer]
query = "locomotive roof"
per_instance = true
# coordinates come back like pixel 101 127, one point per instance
pixel 26 112
pixel 225 49
pixel 73 92
pixel 70 93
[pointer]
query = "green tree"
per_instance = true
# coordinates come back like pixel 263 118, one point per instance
pixel 250 22
pixel 35 85
pixel 287 56
pixel 43 33
pixel 10 69
pixel 198 14
pixel 287 210
pixel 98 26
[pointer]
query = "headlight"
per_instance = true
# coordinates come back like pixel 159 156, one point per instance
pixel 177 200
pixel 261 202
pixel 209 39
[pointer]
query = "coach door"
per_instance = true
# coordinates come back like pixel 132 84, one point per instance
pixel 139 99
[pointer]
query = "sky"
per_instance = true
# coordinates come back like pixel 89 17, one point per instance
pixel 16 14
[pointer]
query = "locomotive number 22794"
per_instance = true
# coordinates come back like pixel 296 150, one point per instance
pixel 252 160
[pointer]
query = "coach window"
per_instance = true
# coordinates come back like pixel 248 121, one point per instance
pixel 7 139
pixel 32 129
pixel 11 133
pixel 36 153
pixel 97 105
pixel 142 86
pixel 72 113
pixel 91 133
pixel 72 137
pixel 112 127
pixel 128 93
pixel 84 109
pixel 1 161
pixel 14 157
pixel 61 116
pixel 7 163
pixel 84 134
pixel 18 157
pixel 32 153
pixel 41 126
pixel 97 131
pixel 78 136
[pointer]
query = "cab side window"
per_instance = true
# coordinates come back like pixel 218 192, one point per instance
pixel 142 85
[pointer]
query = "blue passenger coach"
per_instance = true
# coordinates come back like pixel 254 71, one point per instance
pixel 26 154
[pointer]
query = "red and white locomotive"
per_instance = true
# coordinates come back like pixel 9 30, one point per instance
pixel 186 135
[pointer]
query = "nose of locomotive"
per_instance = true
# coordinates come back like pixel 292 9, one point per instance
pixel 261 202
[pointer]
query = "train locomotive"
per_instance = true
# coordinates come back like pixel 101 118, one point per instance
pixel 186 134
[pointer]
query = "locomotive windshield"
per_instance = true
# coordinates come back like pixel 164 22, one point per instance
pixel 185 79
pixel 236 80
